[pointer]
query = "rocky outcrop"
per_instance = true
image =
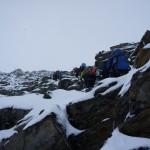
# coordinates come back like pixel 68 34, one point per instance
pixel 142 57
pixel 139 94
pixel 138 125
pixel 45 135
pixel 92 138
pixel 141 54
pixel 101 56
pixel 86 114
pixel 145 40
pixel 97 117
pixel 65 83
pixel 139 99
pixel 9 117
pixel 130 113
pixel 69 84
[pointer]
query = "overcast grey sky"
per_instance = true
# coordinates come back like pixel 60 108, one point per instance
pixel 61 34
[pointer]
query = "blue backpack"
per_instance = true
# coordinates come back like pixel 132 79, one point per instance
pixel 106 65
pixel 119 60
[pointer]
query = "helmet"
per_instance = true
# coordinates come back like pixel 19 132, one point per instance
pixel 83 65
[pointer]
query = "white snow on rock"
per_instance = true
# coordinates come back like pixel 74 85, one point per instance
pixel 119 141
pixel 40 107
pixel 122 82
pixel 4 134
pixel 147 46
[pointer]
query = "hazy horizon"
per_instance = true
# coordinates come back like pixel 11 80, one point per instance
pixel 51 35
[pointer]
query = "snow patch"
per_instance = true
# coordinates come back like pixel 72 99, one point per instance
pixel 5 134
pixel 147 46
pixel 119 141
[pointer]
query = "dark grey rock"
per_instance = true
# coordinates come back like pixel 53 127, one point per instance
pixel 87 113
pixel 93 138
pixel 9 117
pixel 65 83
pixel 45 135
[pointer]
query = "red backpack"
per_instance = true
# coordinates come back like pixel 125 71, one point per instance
pixel 92 70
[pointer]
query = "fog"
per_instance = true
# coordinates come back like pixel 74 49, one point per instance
pixel 61 34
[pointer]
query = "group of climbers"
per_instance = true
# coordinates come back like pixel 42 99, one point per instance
pixel 86 74
pixel 115 66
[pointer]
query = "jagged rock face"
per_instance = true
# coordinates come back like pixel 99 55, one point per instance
pixel 139 100
pixel 92 138
pixel 138 125
pixel 101 56
pixel 145 40
pixel 142 57
pixel 9 117
pixel 86 114
pixel 139 93
pixel 97 117
pixel 45 135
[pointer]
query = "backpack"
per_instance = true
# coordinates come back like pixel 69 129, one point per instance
pixel 106 65
pixel 92 70
pixel 119 60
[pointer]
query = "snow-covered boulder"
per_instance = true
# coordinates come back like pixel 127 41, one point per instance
pixel 44 135
pixel 138 123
